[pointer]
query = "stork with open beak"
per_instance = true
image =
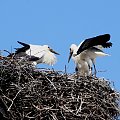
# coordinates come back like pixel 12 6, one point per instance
pixel 37 53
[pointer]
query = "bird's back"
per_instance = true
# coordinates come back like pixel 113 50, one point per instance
pixel 35 49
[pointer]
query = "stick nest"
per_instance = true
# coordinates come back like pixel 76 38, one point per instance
pixel 28 93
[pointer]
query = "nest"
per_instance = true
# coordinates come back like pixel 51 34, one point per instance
pixel 28 93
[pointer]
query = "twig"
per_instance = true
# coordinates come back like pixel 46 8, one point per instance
pixel 54 116
pixel 50 82
pixel 13 100
pixel 80 107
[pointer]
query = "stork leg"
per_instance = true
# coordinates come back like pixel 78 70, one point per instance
pixel 95 71
pixel 90 70
pixel 77 73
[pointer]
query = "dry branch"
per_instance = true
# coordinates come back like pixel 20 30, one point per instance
pixel 44 94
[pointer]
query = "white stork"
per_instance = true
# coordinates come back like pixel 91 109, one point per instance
pixel 37 53
pixel 90 48
pixel 82 61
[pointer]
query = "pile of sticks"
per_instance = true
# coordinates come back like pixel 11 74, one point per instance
pixel 43 94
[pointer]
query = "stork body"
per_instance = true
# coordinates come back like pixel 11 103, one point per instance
pixel 90 49
pixel 82 61
pixel 93 47
pixel 93 53
pixel 37 53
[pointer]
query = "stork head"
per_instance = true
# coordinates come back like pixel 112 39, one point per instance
pixel 51 50
pixel 73 51
pixel 46 47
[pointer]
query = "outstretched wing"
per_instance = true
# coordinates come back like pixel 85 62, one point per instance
pixel 22 49
pixel 98 40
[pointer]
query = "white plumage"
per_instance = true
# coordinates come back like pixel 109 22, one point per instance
pixel 37 53
pixel 93 53
pixel 87 51
pixel 82 61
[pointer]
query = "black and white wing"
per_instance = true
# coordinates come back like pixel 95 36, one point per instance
pixel 98 40
pixel 22 49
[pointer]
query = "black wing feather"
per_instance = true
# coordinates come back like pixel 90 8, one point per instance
pixel 23 49
pixel 24 44
pixel 98 40
pixel 33 58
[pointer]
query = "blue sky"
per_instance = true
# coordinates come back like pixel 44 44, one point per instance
pixel 61 23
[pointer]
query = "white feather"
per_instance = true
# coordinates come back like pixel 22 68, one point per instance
pixel 43 54
pixel 82 61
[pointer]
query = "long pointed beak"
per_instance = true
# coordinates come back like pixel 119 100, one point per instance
pixel 70 55
pixel 51 50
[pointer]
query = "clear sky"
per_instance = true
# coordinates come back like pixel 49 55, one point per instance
pixel 59 23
